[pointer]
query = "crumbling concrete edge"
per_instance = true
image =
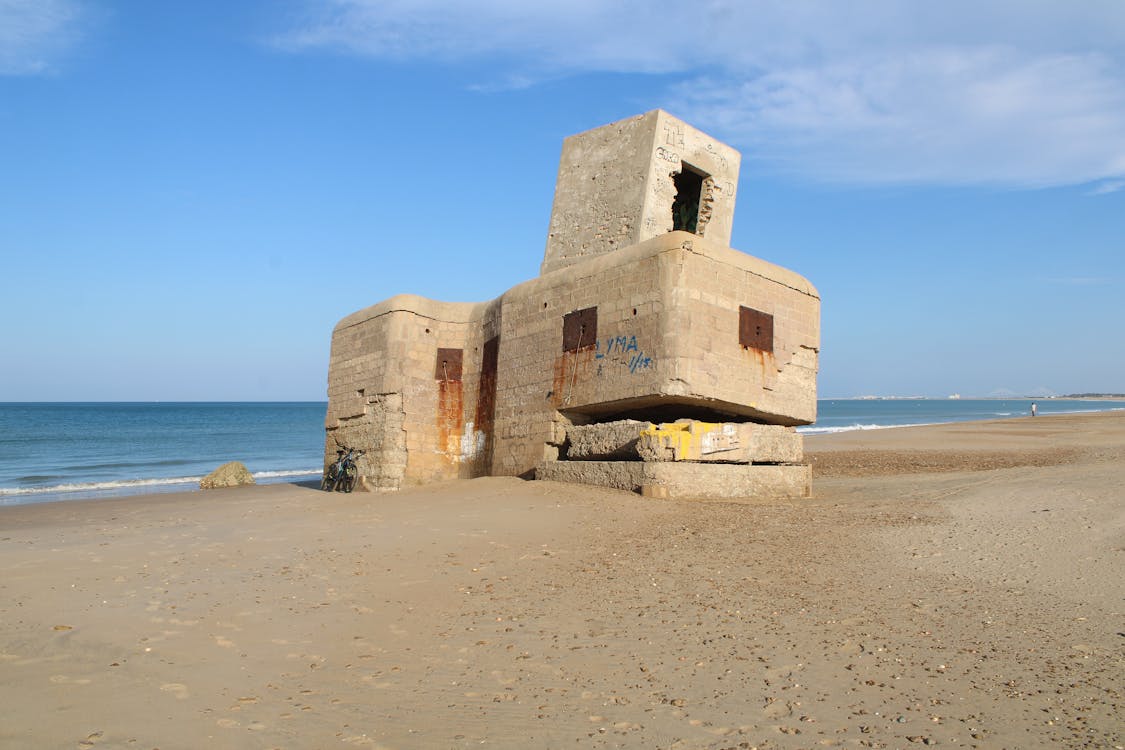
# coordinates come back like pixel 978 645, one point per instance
pixel 744 483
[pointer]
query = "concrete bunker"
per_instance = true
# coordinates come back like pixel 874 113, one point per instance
pixel 647 355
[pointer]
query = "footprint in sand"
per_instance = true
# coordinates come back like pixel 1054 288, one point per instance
pixel 62 679
pixel 721 731
pixel 91 739
pixel 175 688
pixel 776 709
pixel 245 701
pixel 228 723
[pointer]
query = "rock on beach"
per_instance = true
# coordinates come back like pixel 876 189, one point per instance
pixel 232 474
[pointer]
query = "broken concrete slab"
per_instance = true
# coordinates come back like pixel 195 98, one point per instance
pixel 728 442
pixel 686 480
pixel 607 440
pixel 684 440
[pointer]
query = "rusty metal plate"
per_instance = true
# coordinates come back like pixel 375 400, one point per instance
pixel 448 367
pixel 580 329
pixel 755 329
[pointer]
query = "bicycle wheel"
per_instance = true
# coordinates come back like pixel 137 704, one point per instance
pixel 351 475
pixel 328 483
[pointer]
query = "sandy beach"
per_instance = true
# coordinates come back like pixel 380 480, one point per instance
pixel 959 585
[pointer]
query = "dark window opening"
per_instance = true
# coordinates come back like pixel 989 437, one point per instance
pixel 685 206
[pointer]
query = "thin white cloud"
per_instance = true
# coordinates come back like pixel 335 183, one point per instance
pixel 34 33
pixel 1107 187
pixel 1021 93
pixel 540 38
pixel 944 116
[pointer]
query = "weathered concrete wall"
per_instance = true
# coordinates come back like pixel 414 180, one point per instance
pixel 667 338
pixel 616 187
pixel 709 287
pixel 420 417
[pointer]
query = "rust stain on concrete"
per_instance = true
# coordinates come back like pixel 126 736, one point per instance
pixel 486 395
pixel 569 369
pixel 449 418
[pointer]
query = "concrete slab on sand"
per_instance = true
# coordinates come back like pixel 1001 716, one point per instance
pixel 686 481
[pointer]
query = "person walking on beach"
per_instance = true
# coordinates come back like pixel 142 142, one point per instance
pixel 1034 408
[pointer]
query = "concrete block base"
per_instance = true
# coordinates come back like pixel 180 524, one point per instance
pixel 687 481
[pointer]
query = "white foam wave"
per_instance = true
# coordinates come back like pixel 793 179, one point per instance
pixel 123 484
pixel 130 485
pixel 289 473
pixel 1080 411
pixel 814 430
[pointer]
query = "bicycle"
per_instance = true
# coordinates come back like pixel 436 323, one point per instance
pixel 332 473
pixel 343 474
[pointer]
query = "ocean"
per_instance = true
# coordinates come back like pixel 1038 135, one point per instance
pixel 72 451
pixel 56 451
pixel 843 415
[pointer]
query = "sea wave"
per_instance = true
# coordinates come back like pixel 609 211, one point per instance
pixel 120 484
pixel 289 473
pixel 813 430
pixel 127 485
pixel 826 430
pixel 1082 411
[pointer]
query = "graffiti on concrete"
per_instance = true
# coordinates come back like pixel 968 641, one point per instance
pixel 622 350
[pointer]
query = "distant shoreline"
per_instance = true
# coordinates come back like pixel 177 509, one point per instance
pixel 1112 397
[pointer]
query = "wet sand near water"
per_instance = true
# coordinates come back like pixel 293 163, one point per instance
pixel 956 585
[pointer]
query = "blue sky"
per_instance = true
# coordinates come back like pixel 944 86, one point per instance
pixel 193 194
